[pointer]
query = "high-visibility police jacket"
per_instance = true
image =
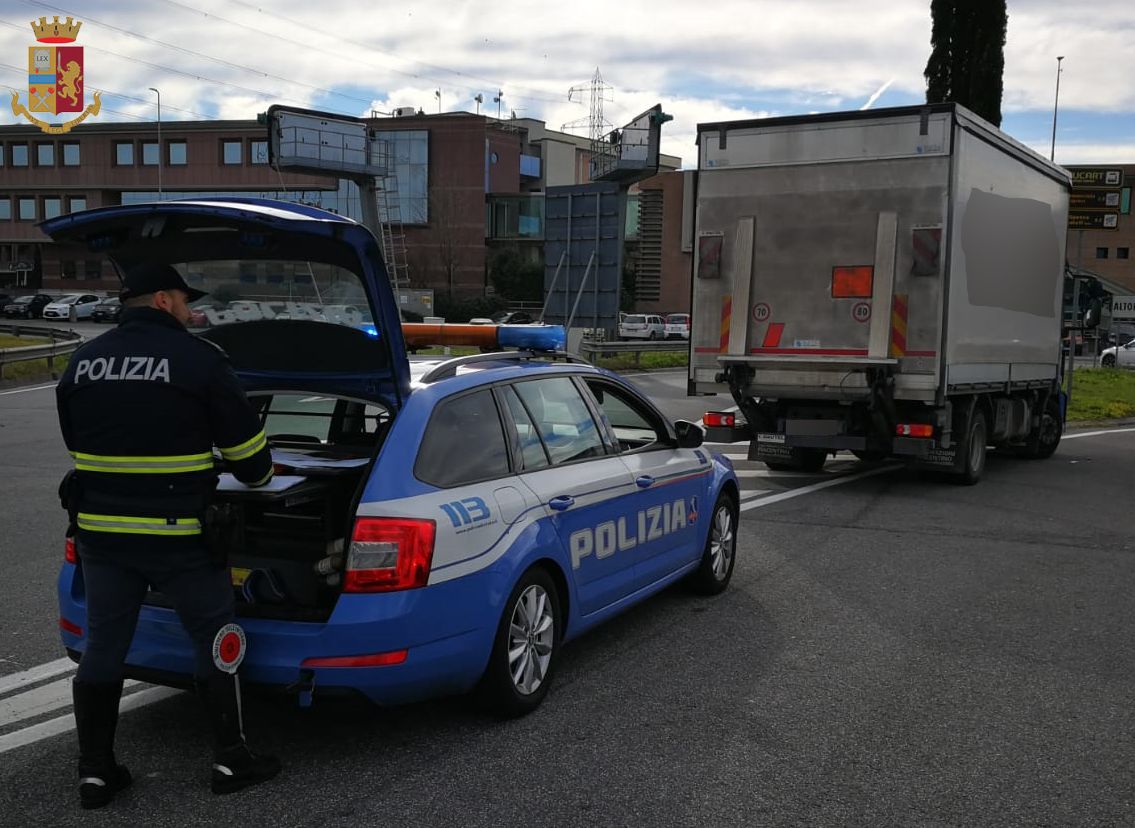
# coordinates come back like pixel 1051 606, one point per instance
pixel 141 408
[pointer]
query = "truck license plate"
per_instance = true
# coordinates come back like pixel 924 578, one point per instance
pixel 770 438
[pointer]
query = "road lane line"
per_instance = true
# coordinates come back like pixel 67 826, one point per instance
pixel 749 494
pixel 37 701
pixel 25 390
pixel 65 724
pixel 1097 433
pixel 30 676
pixel 815 487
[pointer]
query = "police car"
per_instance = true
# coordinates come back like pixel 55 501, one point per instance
pixel 433 527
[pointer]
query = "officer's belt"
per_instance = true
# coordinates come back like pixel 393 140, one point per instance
pixel 134 525
pixel 143 464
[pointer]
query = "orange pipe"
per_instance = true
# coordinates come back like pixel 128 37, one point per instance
pixel 422 334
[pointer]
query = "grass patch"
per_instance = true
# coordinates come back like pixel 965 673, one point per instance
pixel 1102 394
pixel 34 369
pixel 666 359
pixel 8 341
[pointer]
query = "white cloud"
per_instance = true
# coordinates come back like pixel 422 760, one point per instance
pixel 728 60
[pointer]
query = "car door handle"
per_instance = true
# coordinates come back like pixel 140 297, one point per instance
pixel 562 502
pixel 644 482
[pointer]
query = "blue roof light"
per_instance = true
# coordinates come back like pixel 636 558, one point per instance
pixel 369 328
pixel 532 337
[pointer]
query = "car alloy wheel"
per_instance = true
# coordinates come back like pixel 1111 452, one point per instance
pixel 531 637
pixel 721 540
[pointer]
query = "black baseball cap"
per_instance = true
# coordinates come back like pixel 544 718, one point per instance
pixel 150 278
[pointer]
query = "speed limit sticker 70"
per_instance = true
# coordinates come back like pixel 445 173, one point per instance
pixel 861 312
pixel 761 312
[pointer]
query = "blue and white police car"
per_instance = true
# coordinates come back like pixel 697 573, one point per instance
pixel 433 527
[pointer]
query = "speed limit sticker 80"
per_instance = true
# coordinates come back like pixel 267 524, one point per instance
pixel 861 312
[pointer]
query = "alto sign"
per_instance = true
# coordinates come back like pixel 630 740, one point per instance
pixel 1123 308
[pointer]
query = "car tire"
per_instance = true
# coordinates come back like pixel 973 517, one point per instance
pixel 720 554
pixel 653 336
pixel 526 647
pixel 973 450
pixel 1108 361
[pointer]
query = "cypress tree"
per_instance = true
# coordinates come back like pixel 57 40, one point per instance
pixel 967 58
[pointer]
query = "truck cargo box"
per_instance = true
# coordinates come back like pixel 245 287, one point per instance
pixel 920 240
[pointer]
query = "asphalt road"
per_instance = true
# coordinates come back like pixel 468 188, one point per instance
pixel 893 650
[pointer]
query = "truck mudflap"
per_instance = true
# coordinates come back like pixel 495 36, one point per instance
pixel 770 447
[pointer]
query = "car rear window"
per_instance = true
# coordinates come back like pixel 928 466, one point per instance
pixel 464 442
pixel 635 320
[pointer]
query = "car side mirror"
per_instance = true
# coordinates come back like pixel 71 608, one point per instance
pixel 1093 313
pixel 690 435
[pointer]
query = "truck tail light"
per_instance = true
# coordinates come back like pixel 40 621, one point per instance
pixel 852 282
pixel 69 553
pixel 914 430
pixel 389 554
pixel 719 419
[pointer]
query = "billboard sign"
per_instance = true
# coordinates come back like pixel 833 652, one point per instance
pixel 1093 221
pixel 1096 177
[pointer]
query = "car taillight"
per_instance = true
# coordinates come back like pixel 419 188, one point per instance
pixel 914 430
pixel 69 553
pixel 719 419
pixel 389 554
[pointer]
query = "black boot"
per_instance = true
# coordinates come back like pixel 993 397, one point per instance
pixel 96 717
pixel 234 765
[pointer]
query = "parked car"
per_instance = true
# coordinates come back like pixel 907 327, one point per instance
pixel 6 298
pixel 108 310
pixel 27 307
pixel 678 326
pixel 642 326
pixel 512 318
pixel 1121 355
pixel 82 304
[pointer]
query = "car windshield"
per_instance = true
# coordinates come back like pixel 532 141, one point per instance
pixel 634 320
pixel 252 291
pixel 677 318
pixel 24 300
pixel 68 300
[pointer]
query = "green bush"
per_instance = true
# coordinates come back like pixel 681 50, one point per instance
pixel 514 277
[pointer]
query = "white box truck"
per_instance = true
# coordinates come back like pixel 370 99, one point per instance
pixel 886 282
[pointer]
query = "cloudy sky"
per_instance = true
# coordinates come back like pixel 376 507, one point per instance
pixel 702 61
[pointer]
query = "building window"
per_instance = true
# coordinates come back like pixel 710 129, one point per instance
pixel 258 152
pixel 1122 252
pixel 149 153
pixel 78 203
pixel 124 153
pixel 178 154
pixel 94 269
pixel 45 155
pixel 1101 252
pixel 409 154
pixel 27 209
pixel 231 152
pixel 67 269
pixel 19 155
pixel 52 207
pixel 70 155
pixel 5 209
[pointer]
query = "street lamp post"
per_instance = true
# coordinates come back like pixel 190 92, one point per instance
pixel 1055 107
pixel 159 94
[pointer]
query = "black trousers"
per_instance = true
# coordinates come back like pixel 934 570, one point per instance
pixel 117 569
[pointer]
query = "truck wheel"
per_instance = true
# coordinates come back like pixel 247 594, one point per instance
pixel 1043 442
pixel 869 455
pixel 720 553
pixel 526 647
pixel 973 450
pixel 1108 360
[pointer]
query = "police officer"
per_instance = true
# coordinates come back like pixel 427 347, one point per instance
pixel 141 408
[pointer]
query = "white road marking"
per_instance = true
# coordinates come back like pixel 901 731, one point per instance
pixel 815 487
pixel 25 390
pixel 65 724
pixel 1097 433
pixel 749 494
pixel 30 676
pixel 36 702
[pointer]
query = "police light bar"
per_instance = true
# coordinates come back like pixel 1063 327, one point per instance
pixel 532 337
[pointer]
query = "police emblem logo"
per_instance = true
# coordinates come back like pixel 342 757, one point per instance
pixel 229 647
pixel 56 76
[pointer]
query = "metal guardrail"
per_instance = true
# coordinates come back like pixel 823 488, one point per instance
pixel 61 344
pixel 591 349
